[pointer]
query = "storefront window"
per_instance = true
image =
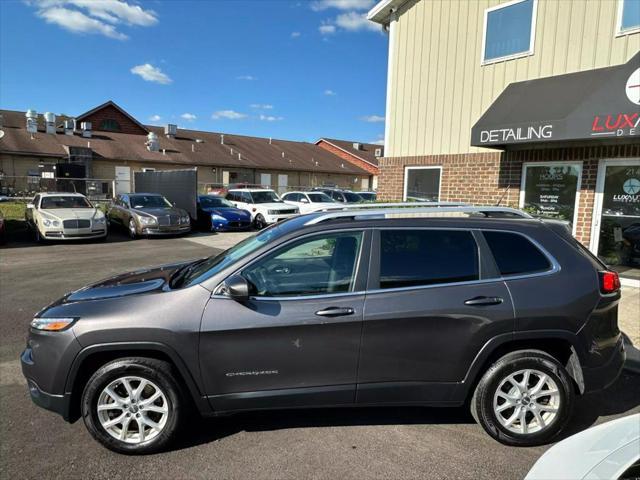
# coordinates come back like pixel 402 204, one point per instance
pixel 422 184
pixel 619 240
pixel 551 190
pixel 509 30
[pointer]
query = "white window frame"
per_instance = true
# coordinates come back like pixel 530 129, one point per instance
pixel 532 39
pixel 406 179
pixel 523 182
pixel 619 31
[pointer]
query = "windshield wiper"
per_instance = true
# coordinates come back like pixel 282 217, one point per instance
pixel 179 275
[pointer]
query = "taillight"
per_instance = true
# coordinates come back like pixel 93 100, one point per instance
pixel 609 282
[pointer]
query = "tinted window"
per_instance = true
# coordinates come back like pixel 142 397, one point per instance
pixel 266 196
pixel 323 264
pixel 514 254
pixel 211 201
pixel 425 257
pixel 320 198
pixel 352 197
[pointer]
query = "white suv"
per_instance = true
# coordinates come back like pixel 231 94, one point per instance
pixel 263 204
pixel 309 202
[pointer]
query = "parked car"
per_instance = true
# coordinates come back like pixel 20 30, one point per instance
pixel 342 196
pixel 3 230
pixel 610 451
pixel 64 216
pixel 263 204
pixel 309 201
pixel 368 196
pixel 217 214
pixel 148 214
pixel 330 309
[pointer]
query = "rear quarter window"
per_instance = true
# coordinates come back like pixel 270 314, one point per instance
pixel 515 254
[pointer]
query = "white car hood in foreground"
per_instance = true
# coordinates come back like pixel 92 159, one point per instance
pixel 601 452
pixel 70 213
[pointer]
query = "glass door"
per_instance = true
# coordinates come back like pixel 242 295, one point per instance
pixel 617 217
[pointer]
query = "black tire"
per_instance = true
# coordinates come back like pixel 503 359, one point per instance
pixel 482 402
pixel 132 229
pixel 259 222
pixel 37 236
pixel 157 371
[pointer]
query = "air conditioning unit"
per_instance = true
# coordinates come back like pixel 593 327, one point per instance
pixel 86 129
pixel 357 146
pixel 170 130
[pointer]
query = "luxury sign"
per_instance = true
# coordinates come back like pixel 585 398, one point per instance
pixel 621 124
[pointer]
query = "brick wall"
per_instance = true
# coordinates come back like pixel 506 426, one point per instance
pixel 372 169
pixel 488 177
pixel 110 112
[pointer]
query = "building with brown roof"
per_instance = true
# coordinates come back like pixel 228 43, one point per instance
pixel 107 143
pixel 363 155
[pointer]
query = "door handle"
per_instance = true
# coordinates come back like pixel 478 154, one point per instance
pixel 335 312
pixel 483 301
pixel 285 270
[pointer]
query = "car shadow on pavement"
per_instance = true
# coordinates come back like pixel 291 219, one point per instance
pixel 621 397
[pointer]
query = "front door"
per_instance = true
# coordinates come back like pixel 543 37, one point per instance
pixel 616 217
pixel 296 340
pixel 429 310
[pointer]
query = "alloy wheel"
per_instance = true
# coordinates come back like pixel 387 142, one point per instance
pixel 527 401
pixel 132 409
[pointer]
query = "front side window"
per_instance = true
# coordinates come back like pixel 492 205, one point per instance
pixel 266 196
pixel 629 16
pixel 410 258
pixel 515 254
pixel 422 184
pixel 320 198
pixel 64 202
pixel 320 265
pixel 509 30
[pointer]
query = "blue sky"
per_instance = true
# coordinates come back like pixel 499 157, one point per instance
pixel 288 69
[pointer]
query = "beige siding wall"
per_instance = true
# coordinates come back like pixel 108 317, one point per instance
pixel 439 88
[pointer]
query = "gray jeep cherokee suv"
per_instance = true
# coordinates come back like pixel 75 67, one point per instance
pixel 509 315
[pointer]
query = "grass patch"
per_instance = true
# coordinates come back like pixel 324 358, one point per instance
pixel 13 210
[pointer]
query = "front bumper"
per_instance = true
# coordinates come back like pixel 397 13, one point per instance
pixel 278 218
pixel 168 230
pixel 54 403
pixel 75 234
pixel 601 377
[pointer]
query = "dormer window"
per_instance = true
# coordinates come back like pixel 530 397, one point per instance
pixel 110 125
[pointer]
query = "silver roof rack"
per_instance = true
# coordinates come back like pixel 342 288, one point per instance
pixel 409 211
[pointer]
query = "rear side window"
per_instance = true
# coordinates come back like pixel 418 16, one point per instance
pixel 515 254
pixel 410 258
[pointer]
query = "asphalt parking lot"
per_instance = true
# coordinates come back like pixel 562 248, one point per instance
pixel 345 443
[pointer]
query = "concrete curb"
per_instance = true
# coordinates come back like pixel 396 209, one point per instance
pixel 632 364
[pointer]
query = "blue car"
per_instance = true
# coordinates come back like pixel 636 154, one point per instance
pixel 216 214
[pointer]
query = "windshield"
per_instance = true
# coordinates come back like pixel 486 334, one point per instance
pixel 352 197
pixel 217 263
pixel 65 202
pixel 149 201
pixel 265 197
pixel 320 198
pixel 218 202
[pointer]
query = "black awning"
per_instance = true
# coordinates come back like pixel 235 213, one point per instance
pixel 595 104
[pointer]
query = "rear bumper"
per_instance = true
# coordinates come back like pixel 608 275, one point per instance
pixel 601 377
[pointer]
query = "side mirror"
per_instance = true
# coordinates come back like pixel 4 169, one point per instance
pixel 237 288
pixel 30 206
pixel 304 200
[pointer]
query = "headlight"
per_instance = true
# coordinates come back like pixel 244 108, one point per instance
pixel 48 222
pixel 296 210
pixel 147 220
pixel 272 212
pixel 217 218
pixel 184 219
pixel 53 324
pixel 99 220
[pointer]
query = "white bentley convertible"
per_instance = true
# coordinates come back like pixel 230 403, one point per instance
pixel 65 216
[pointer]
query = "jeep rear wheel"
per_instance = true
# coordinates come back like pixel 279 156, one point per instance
pixel 525 398
pixel 132 405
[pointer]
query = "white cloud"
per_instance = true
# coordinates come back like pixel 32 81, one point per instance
pixel 189 117
pixel 379 140
pixel 77 22
pixel 327 29
pixel 319 5
pixel 295 34
pixel 372 118
pixel 246 77
pixel 261 106
pixel 228 114
pixel 91 16
pixel 151 74
pixel 330 93
pixel 155 118
pixel 270 118
pixel 354 21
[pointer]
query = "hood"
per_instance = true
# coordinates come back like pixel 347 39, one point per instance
pixel 148 280
pixel 160 211
pixel 227 212
pixel 70 213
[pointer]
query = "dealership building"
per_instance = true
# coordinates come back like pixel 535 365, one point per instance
pixel 526 103
pixel 106 145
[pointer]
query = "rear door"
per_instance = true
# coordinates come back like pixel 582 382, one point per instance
pixel 433 300
pixel 296 341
